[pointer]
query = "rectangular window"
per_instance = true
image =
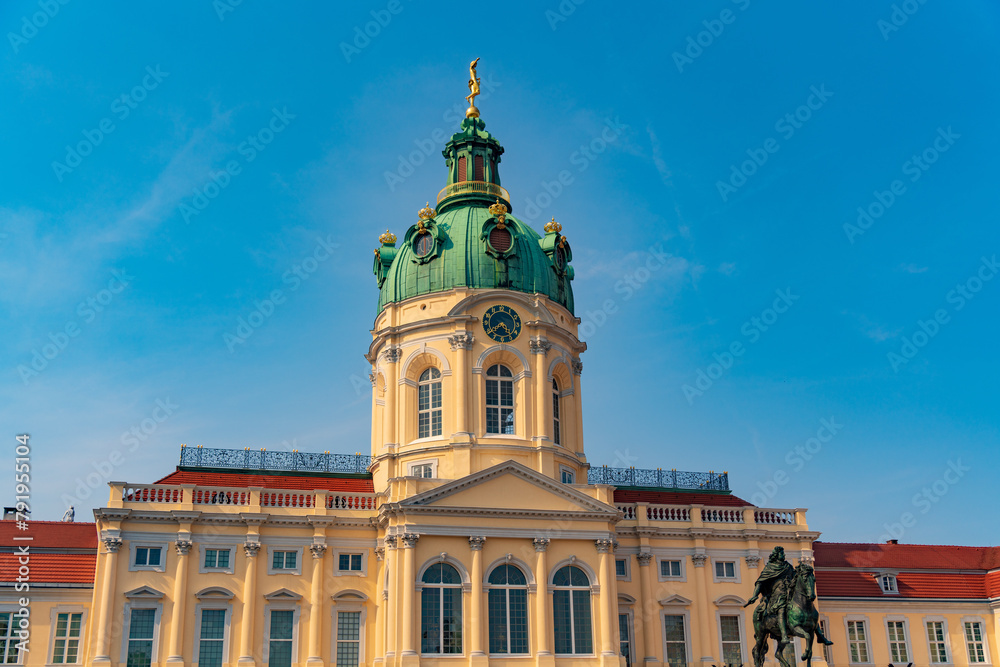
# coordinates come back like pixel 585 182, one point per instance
pixel 556 436
pixel 938 645
pixel 213 634
pixel 725 569
pixel 974 641
pixel 857 639
pixel 8 639
pixel 429 409
pixel 499 406
pixel 218 558
pixel 567 476
pixel 673 633
pixel 625 638
pixel 827 651
pixel 897 641
pixel 349 563
pixel 148 556
pixel 478 172
pixel 462 173
pixel 732 645
pixel 621 567
pixel 66 648
pixel 280 639
pixel 284 560
pixel 571 622
pixel 348 638
pixel 422 470
pixel 142 624
pixel 670 568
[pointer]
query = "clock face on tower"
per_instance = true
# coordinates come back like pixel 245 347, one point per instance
pixel 502 323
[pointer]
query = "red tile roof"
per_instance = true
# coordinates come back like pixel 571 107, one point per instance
pixel 678 498
pixel 905 556
pixel 50 535
pixel 239 480
pixel 837 584
pixel 51 568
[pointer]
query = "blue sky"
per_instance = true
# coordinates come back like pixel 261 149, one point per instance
pixel 739 139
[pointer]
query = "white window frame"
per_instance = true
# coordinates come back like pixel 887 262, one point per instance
pixel 736 579
pixel 659 568
pixel 986 641
pixel 676 611
pixel 513 406
pixel 297 570
pixel 564 471
pixel 906 636
pixel 430 411
pixel 347 605
pixel 139 603
pixel 296 613
pixel 363 572
pixel 628 568
pixel 198 608
pixel 12 609
pixel 947 640
pixel 827 651
pixel 593 590
pixel 433 463
pixel 868 637
pixel 133 545
pixel 53 620
pixel 737 612
pixel 219 547
pixel 626 610
pixel 557 413
pixel 882 576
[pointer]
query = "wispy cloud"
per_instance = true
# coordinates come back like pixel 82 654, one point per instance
pixel 873 330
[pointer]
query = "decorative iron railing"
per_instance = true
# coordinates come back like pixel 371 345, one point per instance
pixel 659 478
pixel 293 461
pixel 479 187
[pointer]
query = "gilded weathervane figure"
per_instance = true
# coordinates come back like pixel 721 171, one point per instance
pixel 472 111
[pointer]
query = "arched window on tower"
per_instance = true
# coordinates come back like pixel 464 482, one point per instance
pixel 441 610
pixel 462 173
pixel 429 403
pixel 571 619
pixel 499 400
pixel 508 611
pixel 479 173
pixel 556 436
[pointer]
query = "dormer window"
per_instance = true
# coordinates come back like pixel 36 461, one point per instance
pixel 887 582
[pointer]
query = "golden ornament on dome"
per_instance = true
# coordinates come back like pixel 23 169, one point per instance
pixel 553 226
pixel 426 213
pixel 499 211
pixel 388 238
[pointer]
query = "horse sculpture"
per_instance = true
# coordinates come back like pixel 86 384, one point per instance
pixel 802 620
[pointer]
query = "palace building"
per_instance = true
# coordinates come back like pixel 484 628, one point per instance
pixel 475 533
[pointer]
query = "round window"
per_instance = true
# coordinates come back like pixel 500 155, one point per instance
pixel 423 245
pixel 500 239
pixel 560 259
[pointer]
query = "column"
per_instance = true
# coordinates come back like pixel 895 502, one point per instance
pixel 316 604
pixel 111 546
pixel 650 619
pixel 249 598
pixel 391 600
pixel 543 632
pixel 177 616
pixel 476 619
pixel 609 606
pixel 461 342
pixel 409 655
pixel 380 596
pixel 543 390
pixel 389 434
pixel 703 605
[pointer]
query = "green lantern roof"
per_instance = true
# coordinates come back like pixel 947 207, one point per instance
pixel 472 240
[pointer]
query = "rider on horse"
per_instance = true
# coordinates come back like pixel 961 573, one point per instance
pixel 775 584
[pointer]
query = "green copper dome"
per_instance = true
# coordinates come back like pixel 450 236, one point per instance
pixel 471 240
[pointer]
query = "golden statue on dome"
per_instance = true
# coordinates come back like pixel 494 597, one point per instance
pixel 472 111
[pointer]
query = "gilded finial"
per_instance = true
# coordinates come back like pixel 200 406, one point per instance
pixel 426 213
pixel 553 226
pixel 387 239
pixel 472 111
pixel 499 211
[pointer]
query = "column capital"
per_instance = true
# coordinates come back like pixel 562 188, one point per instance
pixel 577 366
pixel 372 377
pixel 644 559
pixel 390 541
pixel 410 540
pixel 461 340
pixel 318 550
pixel 476 542
pixel 539 345
pixel 251 549
pixel 393 353
pixel 112 544
pixel 541 543
pixel 182 546
pixel 380 553
pixel 605 546
pixel 699 560
pixel 752 561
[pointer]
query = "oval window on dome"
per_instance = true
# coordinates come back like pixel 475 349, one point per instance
pixel 560 259
pixel 500 239
pixel 423 245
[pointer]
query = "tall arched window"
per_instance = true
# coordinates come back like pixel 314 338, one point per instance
pixel 556 436
pixel 429 403
pixel 441 610
pixel 462 175
pixel 477 169
pixel 571 611
pixel 499 400
pixel 508 611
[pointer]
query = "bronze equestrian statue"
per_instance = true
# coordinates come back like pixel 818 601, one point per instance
pixel 787 610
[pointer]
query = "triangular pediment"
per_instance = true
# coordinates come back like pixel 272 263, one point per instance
pixel 509 486
pixel 147 592
pixel 282 594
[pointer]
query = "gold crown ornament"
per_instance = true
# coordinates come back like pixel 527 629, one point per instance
pixel 553 226
pixel 388 238
pixel 499 211
pixel 426 213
